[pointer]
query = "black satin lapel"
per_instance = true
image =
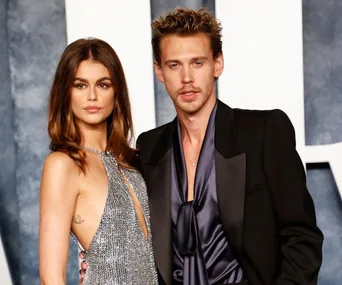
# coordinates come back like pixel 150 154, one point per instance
pixel 164 143
pixel 225 131
pixel 180 168
pixel 230 183
pixel 158 180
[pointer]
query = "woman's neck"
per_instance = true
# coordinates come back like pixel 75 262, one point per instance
pixel 94 137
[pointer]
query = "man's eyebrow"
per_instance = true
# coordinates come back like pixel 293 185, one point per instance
pixel 192 59
pixel 172 61
pixel 199 58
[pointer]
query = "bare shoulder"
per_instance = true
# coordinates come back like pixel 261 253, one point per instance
pixel 60 163
pixel 59 172
pixel 60 160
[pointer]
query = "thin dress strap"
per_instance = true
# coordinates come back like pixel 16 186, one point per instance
pixel 76 241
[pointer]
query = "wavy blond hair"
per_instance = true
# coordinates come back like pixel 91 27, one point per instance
pixel 186 22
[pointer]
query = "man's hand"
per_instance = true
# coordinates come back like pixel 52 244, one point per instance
pixel 84 266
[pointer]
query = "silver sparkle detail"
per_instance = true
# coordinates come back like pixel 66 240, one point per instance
pixel 119 253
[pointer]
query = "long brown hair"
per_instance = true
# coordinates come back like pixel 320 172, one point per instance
pixel 186 22
pixel 63 131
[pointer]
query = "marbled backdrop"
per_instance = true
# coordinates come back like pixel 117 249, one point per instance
pixel 9 226
pixel 323 121
pixel 33 35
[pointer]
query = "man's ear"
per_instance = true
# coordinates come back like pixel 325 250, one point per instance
pixel 219 65
pixel 158 71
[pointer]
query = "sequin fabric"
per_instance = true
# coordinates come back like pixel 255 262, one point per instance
pixel 119 253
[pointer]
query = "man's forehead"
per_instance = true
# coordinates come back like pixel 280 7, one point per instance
pixel 181 39
pixel 187 47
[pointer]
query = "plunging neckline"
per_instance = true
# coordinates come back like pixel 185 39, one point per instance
pixel 131 192
pixel 95 150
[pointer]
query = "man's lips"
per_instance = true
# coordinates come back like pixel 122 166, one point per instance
pixel 188 92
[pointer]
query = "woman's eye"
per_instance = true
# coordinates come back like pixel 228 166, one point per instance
pixel 103 85
pixel 80 85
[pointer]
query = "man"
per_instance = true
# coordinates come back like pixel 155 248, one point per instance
pixel 227 189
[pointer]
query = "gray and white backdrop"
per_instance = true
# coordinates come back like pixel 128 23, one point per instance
pixel 32 37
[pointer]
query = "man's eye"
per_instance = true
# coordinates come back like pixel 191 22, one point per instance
pixel 173 65
pixel 198 63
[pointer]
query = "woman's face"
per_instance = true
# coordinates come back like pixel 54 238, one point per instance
pixel 92 94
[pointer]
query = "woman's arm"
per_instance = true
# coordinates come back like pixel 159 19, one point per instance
pixel 58 194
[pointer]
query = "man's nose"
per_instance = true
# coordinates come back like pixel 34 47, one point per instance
pixel 187 74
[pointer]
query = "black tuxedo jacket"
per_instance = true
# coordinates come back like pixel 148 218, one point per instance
pixel 265 208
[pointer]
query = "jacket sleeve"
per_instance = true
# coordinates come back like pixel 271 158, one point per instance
pixel 300 238
pixel 136 158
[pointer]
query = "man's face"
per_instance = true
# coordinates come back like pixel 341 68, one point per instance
pixel 188 70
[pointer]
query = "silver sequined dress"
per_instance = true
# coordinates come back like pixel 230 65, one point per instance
pixel 119 253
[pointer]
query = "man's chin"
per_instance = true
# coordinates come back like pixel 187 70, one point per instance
pixel 189 108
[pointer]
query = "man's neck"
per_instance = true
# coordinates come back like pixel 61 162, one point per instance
pixel 194 126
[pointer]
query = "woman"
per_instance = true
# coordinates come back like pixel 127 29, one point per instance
pixel 89 184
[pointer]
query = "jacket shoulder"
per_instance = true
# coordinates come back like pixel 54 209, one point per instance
pixel 152 135
pixel 251 125
pixel 147 141
pixel 251 119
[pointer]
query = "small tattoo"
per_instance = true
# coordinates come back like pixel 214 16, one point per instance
pixel 77 219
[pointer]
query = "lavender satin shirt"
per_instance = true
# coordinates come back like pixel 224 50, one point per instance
pixel 201 253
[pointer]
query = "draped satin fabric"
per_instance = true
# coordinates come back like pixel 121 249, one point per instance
pixel 201 253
